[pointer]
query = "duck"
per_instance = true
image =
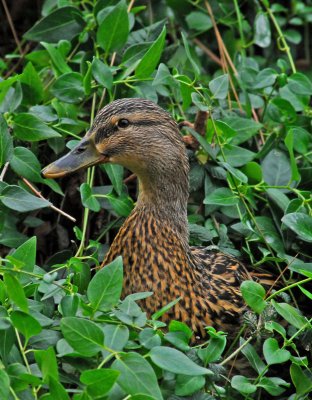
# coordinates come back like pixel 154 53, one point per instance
pixel 154 239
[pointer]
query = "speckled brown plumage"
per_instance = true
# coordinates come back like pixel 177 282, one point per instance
pixel 153 241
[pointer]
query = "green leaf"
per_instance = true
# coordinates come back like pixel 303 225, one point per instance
pixel 88 199
pixel 219 87
pixel 102 74
pixel 69 88
pixel 262 30
pixel 293 36
pixel 301 380
pixel 4 385
pixel 115 173
pixel 279 198
pixel 26 164
pixel 176 362
pixel 268 231
pixel 57 390
pixel 18 199
pixel 266 77
pixel 151 58
pixel 116 336
pixel 99 381
pixel 289 142
pixel 276 168
pixel 57 58
pixel 245 128
pixel 253 171
pixel 252 356
pixel 254 294
pixel 113 31
pixel 187 385
pixel 300 84
pixel 221 197
pixel 302 139
pixel 26 253
pixel 84 336
pixel 137 376
pixel 6 142
pixel 25 324
pixel 236 156
pixel 300 223
pixel 30 128
pixel 122 204
pixel 198 21
pixel 196 69
pixel 214 350
pixel 46 360
pixel 12 98
pixel 149 338
pixel 236 173
pixel 105 287
pixel 242 384
pixel 32 85
pixel 273 354
pixel 281 111
pixel 16 292
pixel 64 23
pixel 290 314
pixel 272 385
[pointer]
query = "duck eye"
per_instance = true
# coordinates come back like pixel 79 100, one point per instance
pixel 123 123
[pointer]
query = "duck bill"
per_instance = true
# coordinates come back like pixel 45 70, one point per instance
pixel 83 155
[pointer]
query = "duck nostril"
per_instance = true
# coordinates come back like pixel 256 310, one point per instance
pixel 80 150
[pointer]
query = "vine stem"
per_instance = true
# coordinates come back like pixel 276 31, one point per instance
pixel 288 287
pixel 236 351
pixel 282 38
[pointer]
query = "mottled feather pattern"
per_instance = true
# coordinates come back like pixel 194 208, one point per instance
pixel 208 282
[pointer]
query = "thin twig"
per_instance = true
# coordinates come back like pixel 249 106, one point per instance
pixel 5 168
pixel 209 53
pixel 236 351
pixel 8 15
pixel 37 193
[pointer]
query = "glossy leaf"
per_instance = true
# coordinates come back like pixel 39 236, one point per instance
pixel 151 58
pixel 102 73
pixel 84 336
pixel 99 381
pixel 113 31
pixel 137 376
pixel 6 143
pixel 176 362
pixel 222 197
pixel 273 354
pixel 254 294
pixel 104 290
pixel 27 325
pixel 219 87
pixel 24 163
pixel 32 129
pixel 300 223
pixel 87 198
pixel 18 199
pixel 69 87
pixel 16 292
pixel 63 23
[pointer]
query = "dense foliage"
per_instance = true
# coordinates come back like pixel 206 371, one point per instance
pixel 230 73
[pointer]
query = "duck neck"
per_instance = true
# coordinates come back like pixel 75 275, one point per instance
pixel 164 195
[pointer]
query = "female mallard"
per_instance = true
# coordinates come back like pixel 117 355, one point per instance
pixel 153 241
